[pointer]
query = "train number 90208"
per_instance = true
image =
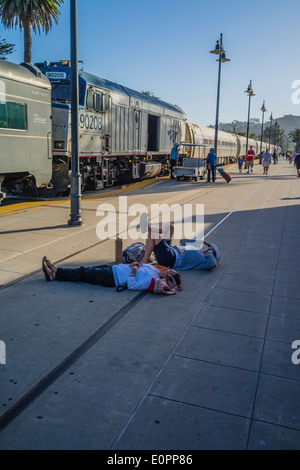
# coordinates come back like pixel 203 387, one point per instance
pixel 88 121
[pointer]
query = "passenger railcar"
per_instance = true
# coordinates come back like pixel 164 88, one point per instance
pixel 205 137
pixel 25 126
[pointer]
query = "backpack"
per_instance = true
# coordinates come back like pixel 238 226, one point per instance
pixel 134 252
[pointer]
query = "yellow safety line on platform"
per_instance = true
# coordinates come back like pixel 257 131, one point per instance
pixel 31 205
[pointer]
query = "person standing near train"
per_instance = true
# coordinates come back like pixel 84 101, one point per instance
pixel 250 159
pixel 173 160
pixel 211 164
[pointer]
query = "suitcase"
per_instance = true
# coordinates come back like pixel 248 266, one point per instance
pixel 225 175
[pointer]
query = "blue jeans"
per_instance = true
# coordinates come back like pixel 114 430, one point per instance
pixel 213 173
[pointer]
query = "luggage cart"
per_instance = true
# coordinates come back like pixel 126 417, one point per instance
pixel 192 168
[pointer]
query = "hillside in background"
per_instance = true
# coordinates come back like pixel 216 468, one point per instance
pixel 288 123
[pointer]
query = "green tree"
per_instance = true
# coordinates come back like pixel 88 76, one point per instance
pixel 29 15
pixel 5 48
pixel 150 93
pixel 295 136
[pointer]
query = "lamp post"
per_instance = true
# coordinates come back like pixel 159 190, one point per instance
pixel 222 58
pixel 263 109
pixel 271 119
pixel 250 93
pixel 75 216
pixel 275 134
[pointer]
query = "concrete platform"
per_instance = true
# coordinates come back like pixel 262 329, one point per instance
pixel 209 368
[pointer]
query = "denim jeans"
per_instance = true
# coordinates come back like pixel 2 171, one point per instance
pixel 100 275
pixel 213 173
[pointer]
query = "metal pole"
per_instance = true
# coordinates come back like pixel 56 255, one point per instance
pixel 75 216
pixel 270 135
pixel 262 131
pixel 248 125
pixel 217 110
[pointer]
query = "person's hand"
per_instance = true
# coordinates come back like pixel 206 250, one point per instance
pixel 135 264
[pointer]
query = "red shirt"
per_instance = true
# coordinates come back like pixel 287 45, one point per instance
pixel 250 155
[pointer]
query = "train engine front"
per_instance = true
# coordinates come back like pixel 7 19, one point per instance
pixel 124 135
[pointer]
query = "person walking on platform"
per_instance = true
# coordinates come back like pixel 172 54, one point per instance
pixel 266 160
pixel 240 164
pixel 275 157
pixel 211 164
pixel 297 163
pixel 250 159
pixel 178 257
pixel 134 276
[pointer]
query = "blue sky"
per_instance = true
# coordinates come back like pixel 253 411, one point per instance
pixel 163 46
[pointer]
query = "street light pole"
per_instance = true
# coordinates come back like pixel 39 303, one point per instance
pixel 249 91
pixel 222 58
pixel 271 119
pixel 263 109
pixel 217 107
pixel 75 216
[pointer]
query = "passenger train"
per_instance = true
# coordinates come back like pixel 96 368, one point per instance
pixel 124 135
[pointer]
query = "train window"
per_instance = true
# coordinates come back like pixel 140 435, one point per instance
pixel 13 115
pixel 106 101
pixel 90 104
pixel 98 102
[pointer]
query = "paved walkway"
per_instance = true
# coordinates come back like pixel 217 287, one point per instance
pixel 209 368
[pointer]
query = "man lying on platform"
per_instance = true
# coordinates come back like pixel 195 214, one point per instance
pixel 134 276
pixel 182 257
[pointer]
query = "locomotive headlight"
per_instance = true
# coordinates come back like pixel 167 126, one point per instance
pixel 59 144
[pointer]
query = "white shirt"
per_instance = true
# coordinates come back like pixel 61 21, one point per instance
pixel 140 281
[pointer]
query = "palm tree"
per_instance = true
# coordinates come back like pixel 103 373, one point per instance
pixel 295 136
pixel 5 48
pixel 29 15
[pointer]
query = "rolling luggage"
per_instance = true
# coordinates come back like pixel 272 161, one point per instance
pixel 224 174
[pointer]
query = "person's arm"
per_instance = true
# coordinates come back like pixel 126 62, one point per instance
pixel 139 284
pixel 134 266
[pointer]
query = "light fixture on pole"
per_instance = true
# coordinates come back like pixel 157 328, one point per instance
pixel 250 93
pixel 271 119
pixel 221 59
pixel 263 109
